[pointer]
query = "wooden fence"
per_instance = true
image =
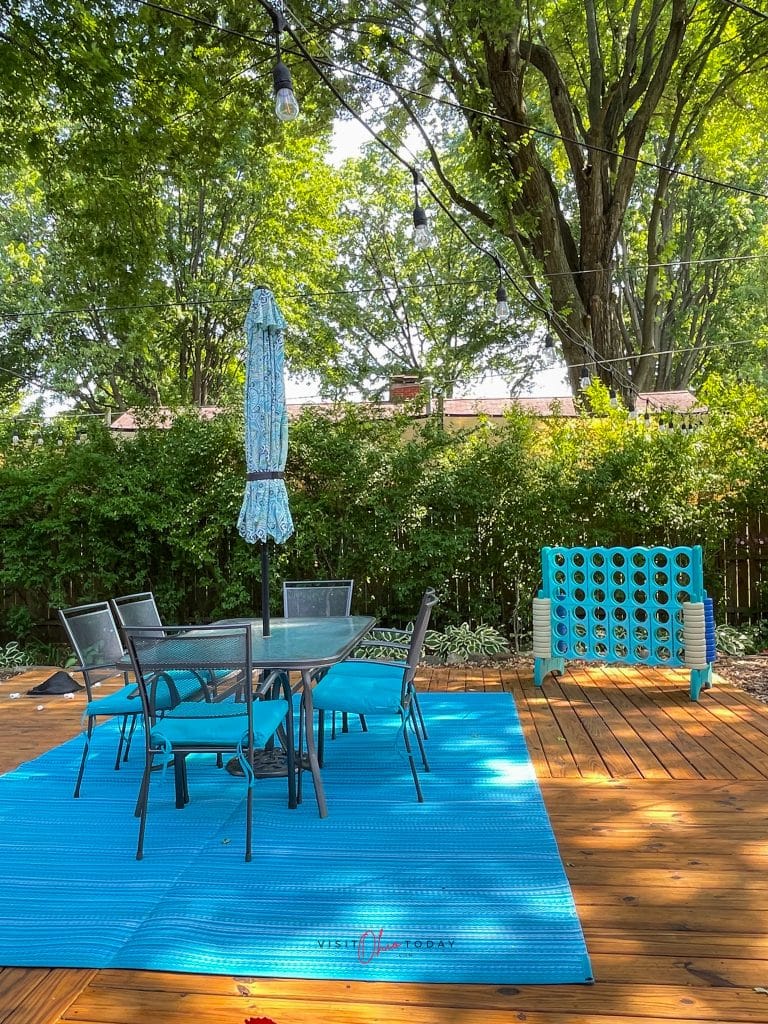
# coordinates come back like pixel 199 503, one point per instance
pixel 739 586
pixel 743 575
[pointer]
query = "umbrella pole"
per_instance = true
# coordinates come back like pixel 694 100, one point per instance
pixel 265 589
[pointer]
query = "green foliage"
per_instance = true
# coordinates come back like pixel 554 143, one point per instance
pixel 396 506
pixel 12 657
pixel 462 641
pixel 740 640
pixel 148 190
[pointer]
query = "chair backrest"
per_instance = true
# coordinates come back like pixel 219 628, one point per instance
pixel 136 610
pixel 428 602
pixel 156 651
pixel 307 598
pixel 93 634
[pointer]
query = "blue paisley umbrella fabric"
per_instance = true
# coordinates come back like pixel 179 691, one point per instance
pixel 265 511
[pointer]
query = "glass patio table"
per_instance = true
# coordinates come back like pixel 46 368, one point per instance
pixel 301 645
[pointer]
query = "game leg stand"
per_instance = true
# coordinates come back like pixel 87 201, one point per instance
pixel 631 606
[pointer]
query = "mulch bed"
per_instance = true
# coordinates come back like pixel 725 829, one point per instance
pixel 750 672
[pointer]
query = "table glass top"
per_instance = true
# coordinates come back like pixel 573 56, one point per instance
pixel 292 644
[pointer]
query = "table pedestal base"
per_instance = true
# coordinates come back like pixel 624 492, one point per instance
pixel 267 764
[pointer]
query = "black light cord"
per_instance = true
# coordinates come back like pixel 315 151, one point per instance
pixel 442 101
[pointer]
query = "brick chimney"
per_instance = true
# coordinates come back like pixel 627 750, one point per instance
pixel 403 387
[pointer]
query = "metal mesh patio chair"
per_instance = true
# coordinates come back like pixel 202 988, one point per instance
pixel 136 610
pixel 309 598
pixel 92 631
pixel 199 727
pixel 377 687
pixel 141 610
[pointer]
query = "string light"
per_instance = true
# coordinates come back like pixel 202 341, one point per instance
pixel 614 399
pixel 584 378
pixel 422 236
pixel 550 352
pixel 286 104
pixel 502 300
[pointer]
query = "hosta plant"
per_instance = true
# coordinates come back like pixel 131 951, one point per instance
pixel 12 657
pixel 463 641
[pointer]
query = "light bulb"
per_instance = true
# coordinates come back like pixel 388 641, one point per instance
pixel 15 439
pixel 550 352
pixel 614 399
pixel 632 414
pixel 502 306
pixel 422 236
pixel 39 440
pixel 584 379
pixel 286 105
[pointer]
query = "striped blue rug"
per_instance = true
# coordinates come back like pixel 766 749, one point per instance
pixel 467 887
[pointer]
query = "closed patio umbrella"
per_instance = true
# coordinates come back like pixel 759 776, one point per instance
pixel 265 512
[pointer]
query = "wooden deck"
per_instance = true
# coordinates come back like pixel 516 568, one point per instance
pixel 660 808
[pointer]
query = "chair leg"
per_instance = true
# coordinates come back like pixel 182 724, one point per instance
pixel 424 732
pixel 142 806
pixel 84 758
pixel 321 735
pixel 363 723
pixel 180 774
pixel 333 726
pixel 419 740
pixel 414 773
pixel 289 745
pixel 248 822
pixel 300 759
pixel 120 743
pixel 144 786
pixel 130 737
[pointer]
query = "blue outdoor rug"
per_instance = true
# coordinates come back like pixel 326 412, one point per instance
pixel 467 887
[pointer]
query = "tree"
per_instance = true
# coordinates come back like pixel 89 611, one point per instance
pixel 164 189
pixel 399 310
pixel 564 102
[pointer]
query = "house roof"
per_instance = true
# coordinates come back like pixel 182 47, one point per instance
pixel 457 408
pixel 657 401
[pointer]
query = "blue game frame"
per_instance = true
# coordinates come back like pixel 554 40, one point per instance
pixel 634 606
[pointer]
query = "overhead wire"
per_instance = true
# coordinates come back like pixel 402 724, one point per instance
pixel 465 108
pixel 368 75
pixel 565 328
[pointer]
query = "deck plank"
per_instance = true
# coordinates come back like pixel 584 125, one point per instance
pixel 660 809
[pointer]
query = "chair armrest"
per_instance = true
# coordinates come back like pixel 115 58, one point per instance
pixel 376 661
pixel 379 645
pixel 271 681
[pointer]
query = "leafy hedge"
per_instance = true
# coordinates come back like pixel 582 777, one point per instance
pixel 393 506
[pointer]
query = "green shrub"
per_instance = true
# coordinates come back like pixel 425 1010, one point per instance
pixel 395 506
pixel 739 641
